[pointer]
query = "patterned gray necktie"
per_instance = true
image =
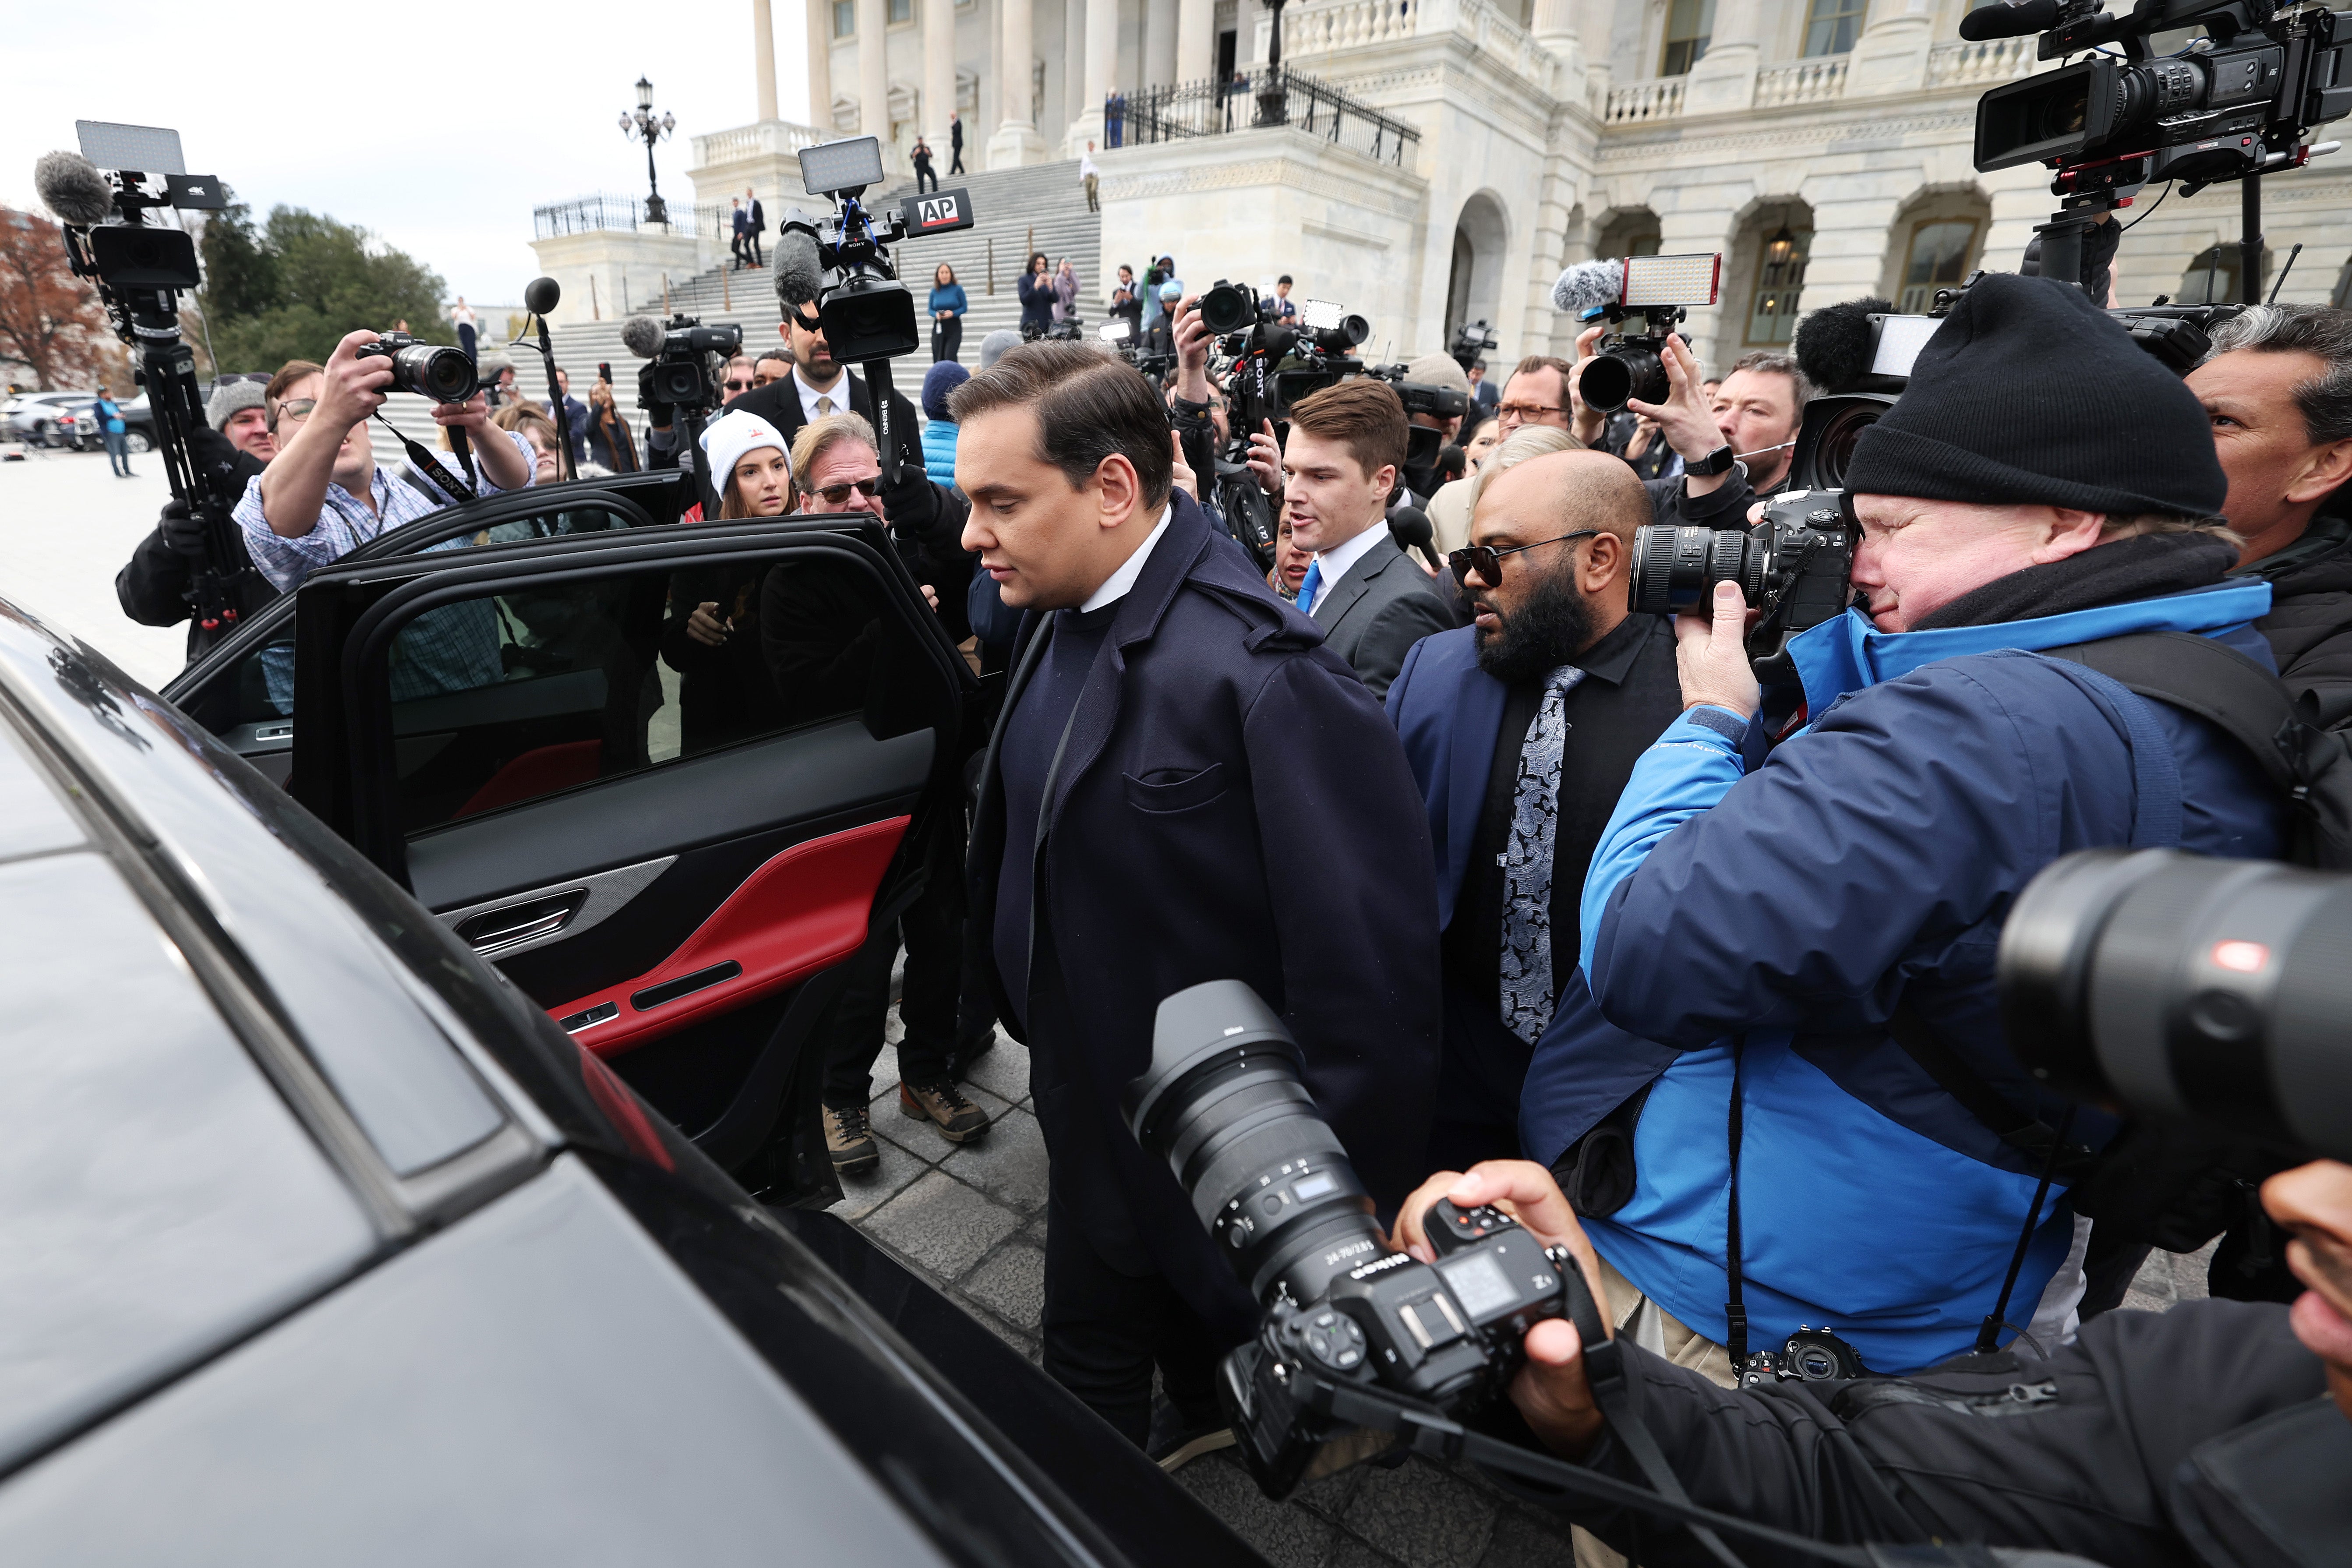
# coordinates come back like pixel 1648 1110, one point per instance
pixel 824 408
pixel 1526 990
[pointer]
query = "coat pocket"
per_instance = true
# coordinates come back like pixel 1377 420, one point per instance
pixel 1162 794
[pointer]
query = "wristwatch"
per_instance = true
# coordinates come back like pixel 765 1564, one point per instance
pixel 1719 461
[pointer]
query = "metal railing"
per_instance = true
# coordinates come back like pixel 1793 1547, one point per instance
pixel 588 214
pixel 1253 101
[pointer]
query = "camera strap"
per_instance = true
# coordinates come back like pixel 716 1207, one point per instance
pixel 426 463
pixel 1734 1309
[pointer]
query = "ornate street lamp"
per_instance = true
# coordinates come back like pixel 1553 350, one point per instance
pixel 653 128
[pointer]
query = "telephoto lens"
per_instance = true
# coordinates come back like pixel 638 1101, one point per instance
pixel 443 375
pixel 2173 986
pixel 1223 1105
pixel 1677 568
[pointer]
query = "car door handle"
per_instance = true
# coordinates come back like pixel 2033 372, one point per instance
pixel 493 930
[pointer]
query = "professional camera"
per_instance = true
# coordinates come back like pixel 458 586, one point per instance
pixel 1270 366
pixel 1794 566
pixel 443 375
pixel 1658 289
pixel 1119 334
pixel 869 315
pixel 689 363
pixel 2174 986
pixel 1421 443
pixel 1472 341
pixel 101 197
pixel 2233 105
pixel 1223 1105
pixel 1065 331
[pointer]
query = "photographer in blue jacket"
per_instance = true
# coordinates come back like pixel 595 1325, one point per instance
pixel 1794 930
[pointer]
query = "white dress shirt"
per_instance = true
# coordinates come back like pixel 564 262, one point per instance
pixel 838 392
pixel 1117 583
pixel 1338 560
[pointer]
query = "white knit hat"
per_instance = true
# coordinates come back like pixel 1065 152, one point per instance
pixel 726 438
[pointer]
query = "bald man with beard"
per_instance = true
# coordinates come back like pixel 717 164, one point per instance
pixel 1521 729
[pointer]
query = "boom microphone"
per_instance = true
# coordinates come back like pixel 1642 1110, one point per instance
pixel 2009 19
pixel 540 296
pixel 1409 526
pixel 1834 343
pixel 799 275
pixel 642 336
pixel 70 186
pixel 1590 283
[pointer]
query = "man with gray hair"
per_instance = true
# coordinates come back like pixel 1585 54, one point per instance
pixel 2278 390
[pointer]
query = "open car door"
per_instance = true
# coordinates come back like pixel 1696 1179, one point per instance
pixel 670 832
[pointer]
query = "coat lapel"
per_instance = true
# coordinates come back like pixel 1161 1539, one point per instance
pixel 1333 608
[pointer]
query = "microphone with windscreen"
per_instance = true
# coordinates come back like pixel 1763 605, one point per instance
pixel 2009 19
pixel 1409 527
pixel 540 295
pixel 72 187
pixel 642 336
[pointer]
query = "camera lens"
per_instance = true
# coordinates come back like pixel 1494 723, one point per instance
pixel 443 375
pixel 1227 308
pixel 1825 446
pixel 2167 983
pixel 1223 1105
pixel 1674 568
pixel 1617 375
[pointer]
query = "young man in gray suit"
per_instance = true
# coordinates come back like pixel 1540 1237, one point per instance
pixel 1338 470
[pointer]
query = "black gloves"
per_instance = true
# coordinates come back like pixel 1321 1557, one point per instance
pixel 183 534
pixel 657 413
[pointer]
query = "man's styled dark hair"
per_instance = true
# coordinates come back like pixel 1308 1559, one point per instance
pixel 2323 331
pixel 1773 363
pixel 1365 414
pixel 1285 278
pixel 1088 403
pixel 1534 362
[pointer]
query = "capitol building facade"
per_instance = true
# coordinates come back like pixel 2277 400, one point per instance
pixel 1431 161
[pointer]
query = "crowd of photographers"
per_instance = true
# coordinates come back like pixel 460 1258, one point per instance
pixel 1690 969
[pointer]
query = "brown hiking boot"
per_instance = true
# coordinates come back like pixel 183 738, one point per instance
pixel 944 1106
pixel 849 1139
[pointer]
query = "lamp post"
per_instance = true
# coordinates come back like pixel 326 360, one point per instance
pixel 653 128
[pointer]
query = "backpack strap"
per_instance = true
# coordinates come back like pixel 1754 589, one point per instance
pixel 2208 679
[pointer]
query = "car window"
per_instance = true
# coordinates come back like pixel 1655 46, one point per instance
pixel 560 683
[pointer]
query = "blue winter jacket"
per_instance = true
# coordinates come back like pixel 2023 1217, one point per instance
pixel 938 450
pixel 1871 857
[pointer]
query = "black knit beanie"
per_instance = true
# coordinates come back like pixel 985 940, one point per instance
pixel 2029 392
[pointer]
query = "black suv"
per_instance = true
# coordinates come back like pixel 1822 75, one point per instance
pixel 333 1236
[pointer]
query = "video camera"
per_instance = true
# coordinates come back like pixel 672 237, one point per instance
pixel 103 198
pixel 1272 366
pixel 1470 341
pixel 2234 104
pixel 1661 289
pixel 843 261
pixel 1223 1105
pixel 689 361
pixel 1421 443
pixel 1119 334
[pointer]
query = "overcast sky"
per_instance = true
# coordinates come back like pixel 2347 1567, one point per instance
pixel 436 126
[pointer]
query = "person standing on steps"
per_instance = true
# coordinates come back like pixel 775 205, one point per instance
pixel 758 224
pixel 463 314
pixel 1091 176
pixel 923 170
pixel 741 223
pixel 955 143
pixel 948 306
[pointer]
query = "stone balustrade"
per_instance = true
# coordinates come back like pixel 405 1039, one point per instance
pixel 771 138
pixel 1347 24
pixel 1984 63
pixel 1806 81
pixel 1638 102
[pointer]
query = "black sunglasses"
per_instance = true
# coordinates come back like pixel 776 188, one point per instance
pixel 1487 561
pixel 835 494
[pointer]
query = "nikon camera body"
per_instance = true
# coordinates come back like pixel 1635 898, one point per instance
pixel 1796 565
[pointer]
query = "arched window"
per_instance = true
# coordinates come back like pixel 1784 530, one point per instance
pixel 1937 258
pixel 1781 253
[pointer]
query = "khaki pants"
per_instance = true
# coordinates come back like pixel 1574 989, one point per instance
pixel 1637 1319
pixel 1091 203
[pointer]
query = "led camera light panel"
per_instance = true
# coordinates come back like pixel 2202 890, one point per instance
pixel 1321 315
pixel 149 149
pixel 1653 280
pixel 842 165
pixel 1900 339
pixel 1114 331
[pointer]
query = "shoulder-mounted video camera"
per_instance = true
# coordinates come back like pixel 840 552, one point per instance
pixel 1119 335
pixel 868 313
pixel 1471 340
pixel 689 362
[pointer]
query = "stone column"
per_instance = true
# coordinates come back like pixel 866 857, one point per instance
pixel 938 78
pixel 874 72
pixel 1016 140
pixel 763 57
pixel 1554 27
pixel 1074 73
pixel 1101 73
pixel 820 63
pixel 1891 56
pixel 1160 42
pixel 1725 80
pixel 1196 40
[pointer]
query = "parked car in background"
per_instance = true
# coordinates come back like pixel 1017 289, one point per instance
pixel 78 427
pixel 330 1230
pixel 34 417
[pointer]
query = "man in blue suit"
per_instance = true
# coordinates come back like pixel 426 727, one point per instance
pixel 1185 784
pixel 1521 728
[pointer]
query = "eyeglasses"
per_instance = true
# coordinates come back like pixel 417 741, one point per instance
pixel 835 494
pixel 1519 412
pixel 297 409
pixel 1487 561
